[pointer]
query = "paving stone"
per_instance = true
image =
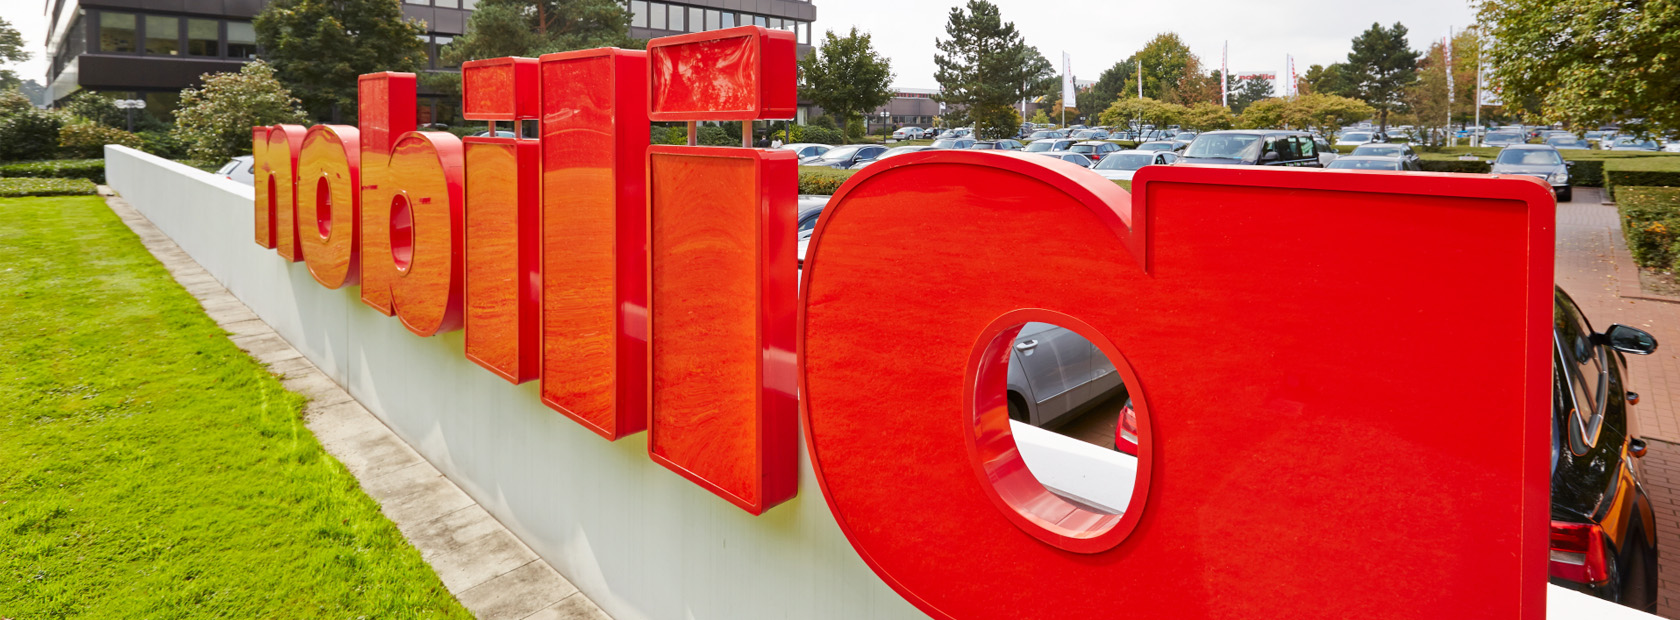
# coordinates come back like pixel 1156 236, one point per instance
pixel 481 560
pixel 249 327
pixel 334 424
pixel 375 453
pixel 451 530
pixel 574 607
pixel 431 497
pixel 517 593
pixel 267 348
pixel 291 366
pixel 317 386
pixel 228 314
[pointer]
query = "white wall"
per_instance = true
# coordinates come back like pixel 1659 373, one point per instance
pixel 639 540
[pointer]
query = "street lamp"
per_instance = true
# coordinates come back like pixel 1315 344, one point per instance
pixel 131 105
pixel 886 124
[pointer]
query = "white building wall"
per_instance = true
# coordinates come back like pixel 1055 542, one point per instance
pixel 639 540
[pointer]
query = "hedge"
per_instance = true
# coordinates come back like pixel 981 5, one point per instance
pixel 12 188
pixel 825 181
pixel 1448 163
pixel 90 169
pixel 1651 224
pixel 1641 172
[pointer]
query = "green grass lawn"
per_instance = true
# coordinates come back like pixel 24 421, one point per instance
pixel 149 468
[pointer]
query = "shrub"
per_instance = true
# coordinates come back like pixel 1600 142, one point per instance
pixel 1656 171
pixel 29 134
pixel 710 135
pixel 215 121
pixel 820 135
pixel 13 101
pixel 1651 224
pixel 823 181
pixel 89 169
pixel 162 144
pixel 1472 166
pixel 89 140
pixel 12 188
pixel 93 108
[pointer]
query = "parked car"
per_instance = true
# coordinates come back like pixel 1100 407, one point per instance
pixel 1049 145
pixel 1505 137
pixel 843 157
pixel 909 133
pixel 960 132
pixel 810 208
pixel 242 169
pixel 1056 374
pixel 1326 152
pixel 953 143
pixel 997 145
pixel 1070 157
pixel 1568 142
pixel 1368 162
pixel 1046 135
pixel 1628 143
pixel 1603 530
pixel 1122 165
pixel 1095 149
pixel 1090 134
pixel 806 149
pixel 1158 145
pixel 1253 148
pixel 1536 160
pixel 892 152
pixel 1400 151
pixel 1356 138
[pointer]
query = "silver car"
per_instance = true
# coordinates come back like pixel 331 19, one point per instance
pixel 241 169
pixel 1054 373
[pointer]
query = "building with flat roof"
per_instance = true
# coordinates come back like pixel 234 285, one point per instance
pixel 151 49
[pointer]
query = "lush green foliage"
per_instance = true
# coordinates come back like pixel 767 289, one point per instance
pixel 1651 225
pixel 29 133
pixel 319 48
pixel 846 76
pixel 808 133
pixel 1171 72
pixel 823 181
pixel 1245 92
pixel 90 169
pixel 89 139
pixel 11 188
pixel 1322 113
pixel 984 68
pixel 215 121
pixel 1147 110
pixel 1587 62
pixel 162 144
pixel 11 50
pixel 94 108
pixel 1426 99
pixel 532 28
pixel 1641 171
pixel 1334 79
pixel 152 469
pixel 1382 66
pixel 708 135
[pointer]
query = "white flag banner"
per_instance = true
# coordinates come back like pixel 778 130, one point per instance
pixel 1225 76
pixel 1068 100
pixel 1448 48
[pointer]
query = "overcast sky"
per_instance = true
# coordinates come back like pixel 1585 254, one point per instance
pixel 1098 33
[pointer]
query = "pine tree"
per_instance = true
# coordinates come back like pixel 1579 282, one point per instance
pixel 1245 92
pixel 1383 65
pixel 319 48
pixel 846 76
pixel 985 68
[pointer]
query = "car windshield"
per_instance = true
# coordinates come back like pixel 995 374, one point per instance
pixel 1186 136
pixel 1083 148
pixel 1357 136
pixel 841 153
pixel 945 143
pixel 1155 146
pixel 1039 135
pixel 1041 146
pixel 900 151
pixel 1364 164
pixel 1225 146
pixel 1379 151
pixel 1529 157
pixel 1504 136
pixel 1125 161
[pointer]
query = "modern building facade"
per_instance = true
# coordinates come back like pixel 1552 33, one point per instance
pixel 151 49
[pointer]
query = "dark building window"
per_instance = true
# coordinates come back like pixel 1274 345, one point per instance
pixel 163 35
pixel 241 40
pixel 116 32
pixel 204 37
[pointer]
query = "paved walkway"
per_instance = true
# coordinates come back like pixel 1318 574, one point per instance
pixel 1594 267
pixel 492 573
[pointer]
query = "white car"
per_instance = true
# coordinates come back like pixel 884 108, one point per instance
pixel 806 149
pixel 1356 138
pixel 1122 165
pixel 909 133
pixel 241 169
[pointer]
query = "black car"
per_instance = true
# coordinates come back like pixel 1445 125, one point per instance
pixel 1253 148
pixel 1603 533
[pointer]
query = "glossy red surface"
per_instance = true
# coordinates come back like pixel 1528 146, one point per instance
pixel 1277 323
pixel 594 238
pixel 743 73
pixel 265 195
pixel 285 142
pixel 386 110
pixel 723 284
pixel 329 203
pixel 425 171
pixel 502 236
pixel 499 89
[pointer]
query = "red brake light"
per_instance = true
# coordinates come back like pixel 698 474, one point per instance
pixel 1577 553
pixel 1125 436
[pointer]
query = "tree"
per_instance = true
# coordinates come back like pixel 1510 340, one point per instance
pixel 1167 62
pixel 1325 113
pixel 1587 62
pixel 94 108
pixel 215 121
pixel 1207 116
pixel 846 76
pixel 1124 111
pixel 1269 113
pixel 531 28
pixel 1427 97
pixel 1245 92
pixel 1383 65
pixel 1335 79
pixel 318 48
pixel 1111 84
pixel 11 50
pixel 1039 118
pixel 984 68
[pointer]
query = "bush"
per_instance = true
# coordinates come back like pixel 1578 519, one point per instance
pixel 89 169
pixel 1651 224
pixel 162 144
pixel 93 108
pixel 1656 171
pixel 1450 164
pixel 710 135
pixel 13 188
pixel 823 181
pixel 821 135
pixel 13 101
pixel 215 121
pixel 89 140
pixel 29 134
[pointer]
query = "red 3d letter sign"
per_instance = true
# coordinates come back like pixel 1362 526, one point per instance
pixel 1274 352
pixel 722 270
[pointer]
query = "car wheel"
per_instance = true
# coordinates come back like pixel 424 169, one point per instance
pixel 1566 194
pixel 1639 589
pixel 1017 410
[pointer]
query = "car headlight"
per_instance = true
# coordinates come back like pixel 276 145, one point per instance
pixel 1560 177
